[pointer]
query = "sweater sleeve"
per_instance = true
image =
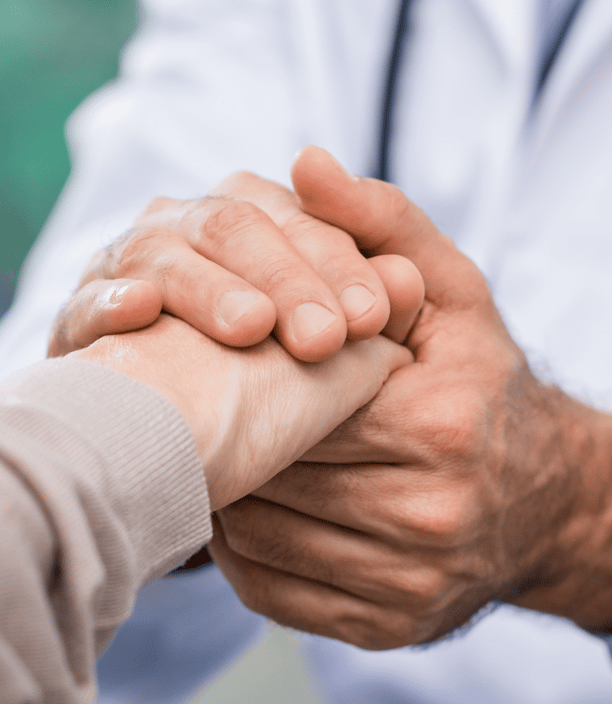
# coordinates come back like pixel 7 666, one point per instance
pixel 102 491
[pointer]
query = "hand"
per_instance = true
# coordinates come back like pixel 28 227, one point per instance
pixel 235 265
pixel 464 481
pixel 252 412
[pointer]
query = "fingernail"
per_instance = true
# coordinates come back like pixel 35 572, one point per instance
pixel 235 304
pixel 356 300
pixel 115 295
pixel 309 320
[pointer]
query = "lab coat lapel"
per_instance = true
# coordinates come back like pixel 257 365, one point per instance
pixel 587 39
pixel 511 27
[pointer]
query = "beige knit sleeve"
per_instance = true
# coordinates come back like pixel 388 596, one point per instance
pixel 101 491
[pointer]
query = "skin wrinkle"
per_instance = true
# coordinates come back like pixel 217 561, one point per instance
pixel 268 545
pixel 364 423
pixel 272 548
pixel 477 453
pixel 226 222
pixel 451 444
pixel 124 256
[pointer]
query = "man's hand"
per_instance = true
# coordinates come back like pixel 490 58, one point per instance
pixel 237 264
pixel 252 412
pixel 464 481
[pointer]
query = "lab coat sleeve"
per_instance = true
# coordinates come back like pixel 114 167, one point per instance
pixel 102 491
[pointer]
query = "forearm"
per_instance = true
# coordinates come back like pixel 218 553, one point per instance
pixel 103 491
pixel 573 572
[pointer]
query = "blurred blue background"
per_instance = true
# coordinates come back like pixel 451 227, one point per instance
pixel 53 53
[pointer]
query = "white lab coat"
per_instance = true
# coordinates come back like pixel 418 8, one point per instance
pixel 211 86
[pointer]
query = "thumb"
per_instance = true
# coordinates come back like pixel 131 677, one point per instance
pixel 383 220
pixel 347 381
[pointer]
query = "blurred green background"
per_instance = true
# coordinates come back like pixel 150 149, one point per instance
pixel 53 53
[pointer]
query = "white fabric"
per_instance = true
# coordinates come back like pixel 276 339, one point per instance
pixel 553 14
pixel 210 86
pixel 511 656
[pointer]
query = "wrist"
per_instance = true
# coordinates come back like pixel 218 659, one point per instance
pixel 161 358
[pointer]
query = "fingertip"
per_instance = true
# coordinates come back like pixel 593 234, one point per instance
pixel 366 313
pixel 357 300
pixel 313 331
pixel 399 356
pixel 103 307
pixel 402 279
pixel 406 290
pixel 297 157
pixel 245 317
pixel 311 158
pixel 303 156
pixel 317 176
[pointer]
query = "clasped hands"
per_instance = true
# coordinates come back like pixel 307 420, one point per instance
pixel 459 481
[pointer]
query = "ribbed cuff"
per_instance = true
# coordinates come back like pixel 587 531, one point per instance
pixel 128 446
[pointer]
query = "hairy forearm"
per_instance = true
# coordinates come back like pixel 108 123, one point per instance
pixel 572 575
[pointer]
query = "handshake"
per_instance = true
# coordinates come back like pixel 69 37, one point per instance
pixel 379 457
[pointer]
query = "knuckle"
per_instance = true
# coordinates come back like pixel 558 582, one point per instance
pixel 236 182
pixel 139 249
pixel 226 222
pixel 425 586
pixel 161 203
pixel 241 180
pixel 443 519
pixel 121 256
pixel 253 188
pixel 385 629
pixel 300 224
pixel 457 425
pixel 440 513
pixel 278 274
pixel 246 175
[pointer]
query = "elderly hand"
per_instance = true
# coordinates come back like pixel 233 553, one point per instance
pixel 464 481
pixel 237 264
pixel 234 265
